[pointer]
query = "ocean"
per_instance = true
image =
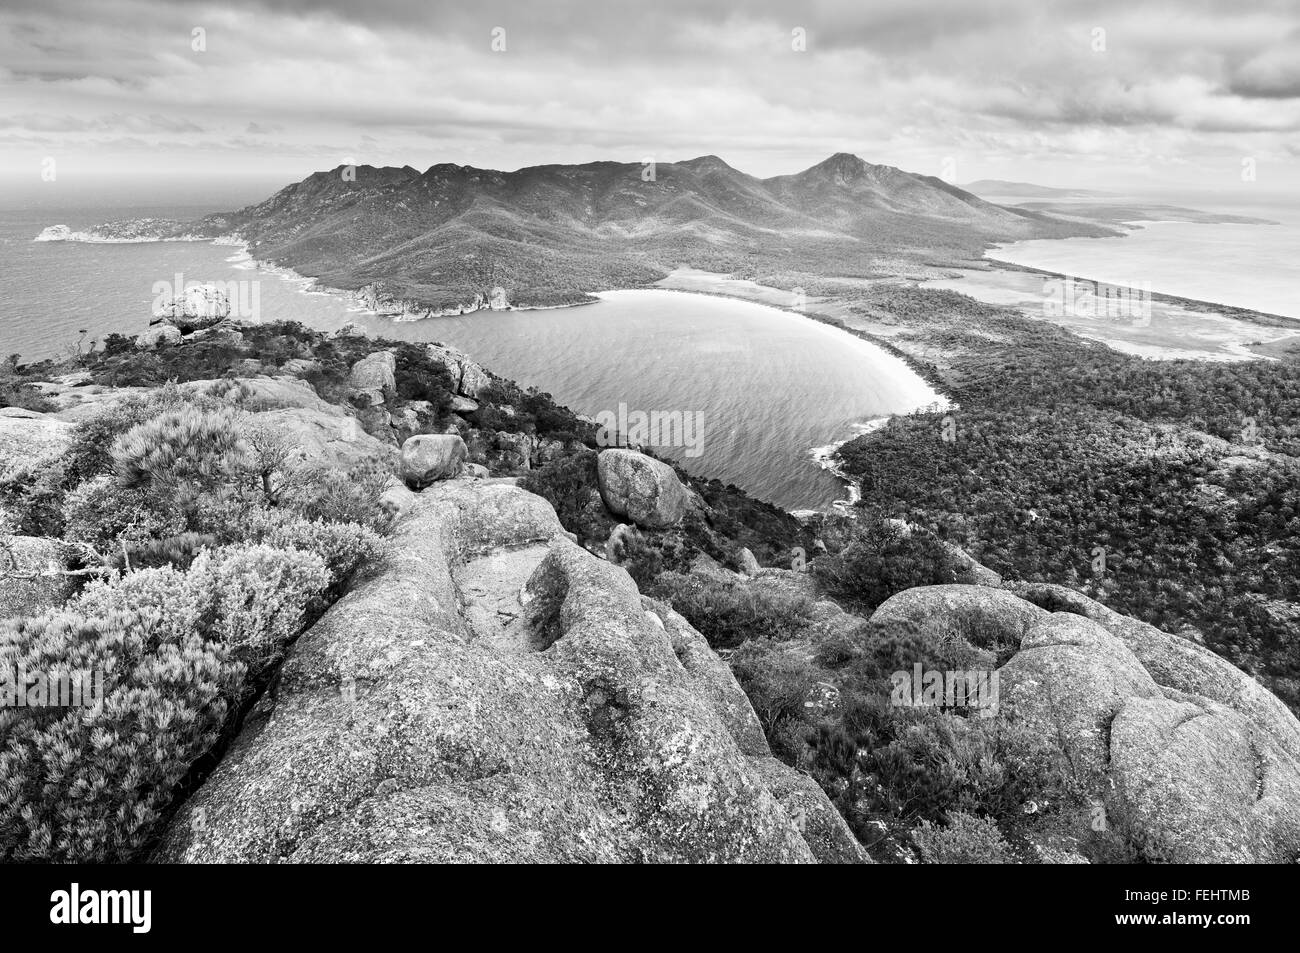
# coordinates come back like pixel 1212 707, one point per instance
pixel 772 391
pixel 1250 266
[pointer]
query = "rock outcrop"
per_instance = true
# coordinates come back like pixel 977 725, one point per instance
pixel 468 379
pixel 26 435
pixel 493 692
pixel 1194 761
pixel 645 490
pixel 163 335
pixel 374 377
pixel 428 458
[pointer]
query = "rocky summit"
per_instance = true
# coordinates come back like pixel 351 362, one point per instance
pixel 493 692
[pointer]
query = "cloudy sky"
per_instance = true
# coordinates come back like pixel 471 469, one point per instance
pixel 1099 93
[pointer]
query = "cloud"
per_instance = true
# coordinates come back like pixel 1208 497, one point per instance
pixel 296 85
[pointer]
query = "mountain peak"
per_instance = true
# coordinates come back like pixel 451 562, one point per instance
pixel 842 168
pixel 843 162
pixel 707 163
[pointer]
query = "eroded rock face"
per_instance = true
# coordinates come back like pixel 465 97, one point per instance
pixel 495 693
pixel 1180 664
pixel 1202 785
pixel 428 458
pixel 1069 679
pixel 645 490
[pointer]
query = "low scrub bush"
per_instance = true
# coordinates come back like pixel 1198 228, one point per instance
pixel 777 683
pixel 89 785
pixel 881 560
pixel 570 485
pixel 728 614
pixel 966 839
pixel 179 652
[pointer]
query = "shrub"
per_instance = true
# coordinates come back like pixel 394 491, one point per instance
pixel 19 394
pixel 342 547
pixel 101 514
pixel 966 839
pixel 728 613
pixel 570 485
pixel 777 683
pixel 254 597
pixel 178 651
pixel 421 377
pixel 882 559
pixel 938 762
pixel 187 445
pixel 34 495
pixel 334 495
pixel 648 555
pixel 89 784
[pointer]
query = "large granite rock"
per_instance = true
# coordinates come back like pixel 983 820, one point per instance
pixel 1068 681
pixel 467 378
pixel 983 616
pixel 325 437
pixel 1193 760
pixel 645 490
pixel 1178 663
pixel 428 458
pixel 31 580
pixel 514 451
pixel 1198 783
pixel 493 692
pixel 162 335
pixel 374 377
pixel 262 393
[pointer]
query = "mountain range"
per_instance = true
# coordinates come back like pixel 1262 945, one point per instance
pixel 442 239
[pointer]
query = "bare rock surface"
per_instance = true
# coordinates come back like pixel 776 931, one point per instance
pixel 1194 761
pixel 493 692
pixel 645 490
pixel 26 436
pixel 1178 663
pixel 374 376
pixel 428 458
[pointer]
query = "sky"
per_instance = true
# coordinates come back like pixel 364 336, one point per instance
pixel 1109 94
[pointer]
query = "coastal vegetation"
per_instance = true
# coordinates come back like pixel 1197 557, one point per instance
pixel 1170 490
